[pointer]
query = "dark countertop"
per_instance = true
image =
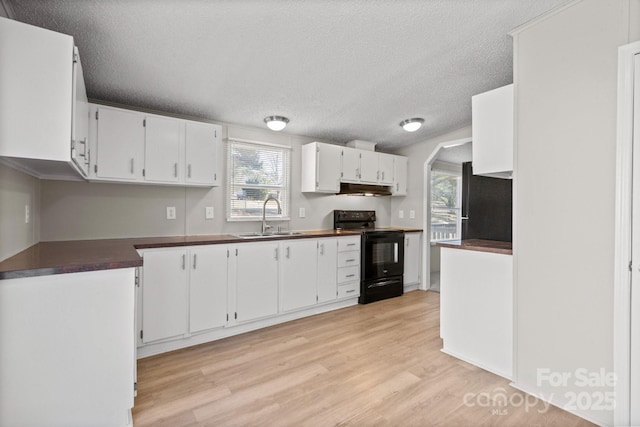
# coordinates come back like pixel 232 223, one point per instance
pixel 479 245
pixel 73 256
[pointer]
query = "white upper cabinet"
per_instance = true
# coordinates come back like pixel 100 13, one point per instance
pixel 400 179
pixel 325 166
pixel 492 132
pixel 37 122
pixel 350 165
pixel 386 168
pixel 80 119
pixel 153 149
pixel 202 142
pixel 119 145
pixel 162 149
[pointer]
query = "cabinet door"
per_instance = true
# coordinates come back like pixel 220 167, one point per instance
pixel 162 149
pixel 257 280
pixel 120 144
pixel 207 287
pixel 299 271
pixel 412 259
pixel 327 269
pixel 369 171
pixel 328 168
pixel 164 294
pixel 399 176
pixel 492 130
pixel 79 119
pixel 350 165
pixel 202 141
pixel 385 163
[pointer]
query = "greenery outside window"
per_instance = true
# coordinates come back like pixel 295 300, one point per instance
pixel 256 171
pixel 446 205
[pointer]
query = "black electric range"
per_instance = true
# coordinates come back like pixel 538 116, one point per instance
pixel 382 255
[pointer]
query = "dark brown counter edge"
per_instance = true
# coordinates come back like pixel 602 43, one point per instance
pixel 60 257
pixel 479 245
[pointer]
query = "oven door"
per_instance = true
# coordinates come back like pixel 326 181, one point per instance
pixel 382 254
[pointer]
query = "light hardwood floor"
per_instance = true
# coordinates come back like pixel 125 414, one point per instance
pixel 369 365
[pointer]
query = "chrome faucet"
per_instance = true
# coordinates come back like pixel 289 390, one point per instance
pixel 265 227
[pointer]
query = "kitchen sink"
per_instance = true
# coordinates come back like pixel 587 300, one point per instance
pixel 257 235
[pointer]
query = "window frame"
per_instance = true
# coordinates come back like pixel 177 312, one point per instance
pixel 286 187
pixel 442 171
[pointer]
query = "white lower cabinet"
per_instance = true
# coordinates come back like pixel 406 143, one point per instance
pixel 208 287
pixel 412 258
pixel 327 269
pixel 256 285
pixel 299 274
pixel 164 294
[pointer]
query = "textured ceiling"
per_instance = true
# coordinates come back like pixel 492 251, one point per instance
pixel 338 69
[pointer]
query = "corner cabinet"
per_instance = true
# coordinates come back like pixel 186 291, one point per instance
pixel 325 166
pixel 131 146
pixel 43 108
pixel 492 132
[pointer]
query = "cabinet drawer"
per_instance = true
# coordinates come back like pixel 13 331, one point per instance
pixel 348 259
pixel 349 244
pixel 348 274
pixel 349 290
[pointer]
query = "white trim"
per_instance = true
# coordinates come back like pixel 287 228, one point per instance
pixel 261 143
pixel 535 21
pixel 426 211
pixel 622 278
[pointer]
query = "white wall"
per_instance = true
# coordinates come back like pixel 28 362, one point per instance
pixel 82 210
pixel 17 190
pixel 418 154
pixel 565 82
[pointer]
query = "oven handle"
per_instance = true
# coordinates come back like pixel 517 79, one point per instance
pixel 380 284
pixel 395 252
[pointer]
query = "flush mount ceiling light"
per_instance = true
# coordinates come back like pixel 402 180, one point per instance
pixel 412 125
pixel 276 123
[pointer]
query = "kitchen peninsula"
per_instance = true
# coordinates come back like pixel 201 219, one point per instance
pixel 476 303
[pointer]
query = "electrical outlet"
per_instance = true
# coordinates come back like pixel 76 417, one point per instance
pixel 171 212
pixel 208 212
pixel 26 214
pixel 400 214
pixel 301 213
pixel 412 214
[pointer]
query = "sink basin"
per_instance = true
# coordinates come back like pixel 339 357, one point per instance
pixel 257 235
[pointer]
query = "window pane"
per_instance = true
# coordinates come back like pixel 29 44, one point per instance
pixel 255 173
pixel 445 206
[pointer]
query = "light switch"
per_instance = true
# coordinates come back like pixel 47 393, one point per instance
pixel 400 214
pixel 412 214
pixel 208 212
pixel 171 212
pixel 301 213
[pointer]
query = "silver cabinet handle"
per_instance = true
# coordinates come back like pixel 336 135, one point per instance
pixel 175 170
pixel 383 175
pixel 276 253
pixel 350 275
pixel 194 260
pixel 378 176
pixel 132 165
pixel 349 260
pixel 397 186
pixel 183 261
pixel 352 290
pixel 351 244
pixel 288 252
pixel 321 248
pixel 407 240
pixel 189 171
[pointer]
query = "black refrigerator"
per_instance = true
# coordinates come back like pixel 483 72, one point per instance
pixel 487 206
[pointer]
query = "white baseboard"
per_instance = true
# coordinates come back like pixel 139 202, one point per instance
pixel 506 375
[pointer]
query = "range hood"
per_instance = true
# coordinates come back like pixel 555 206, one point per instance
pixel 364 189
